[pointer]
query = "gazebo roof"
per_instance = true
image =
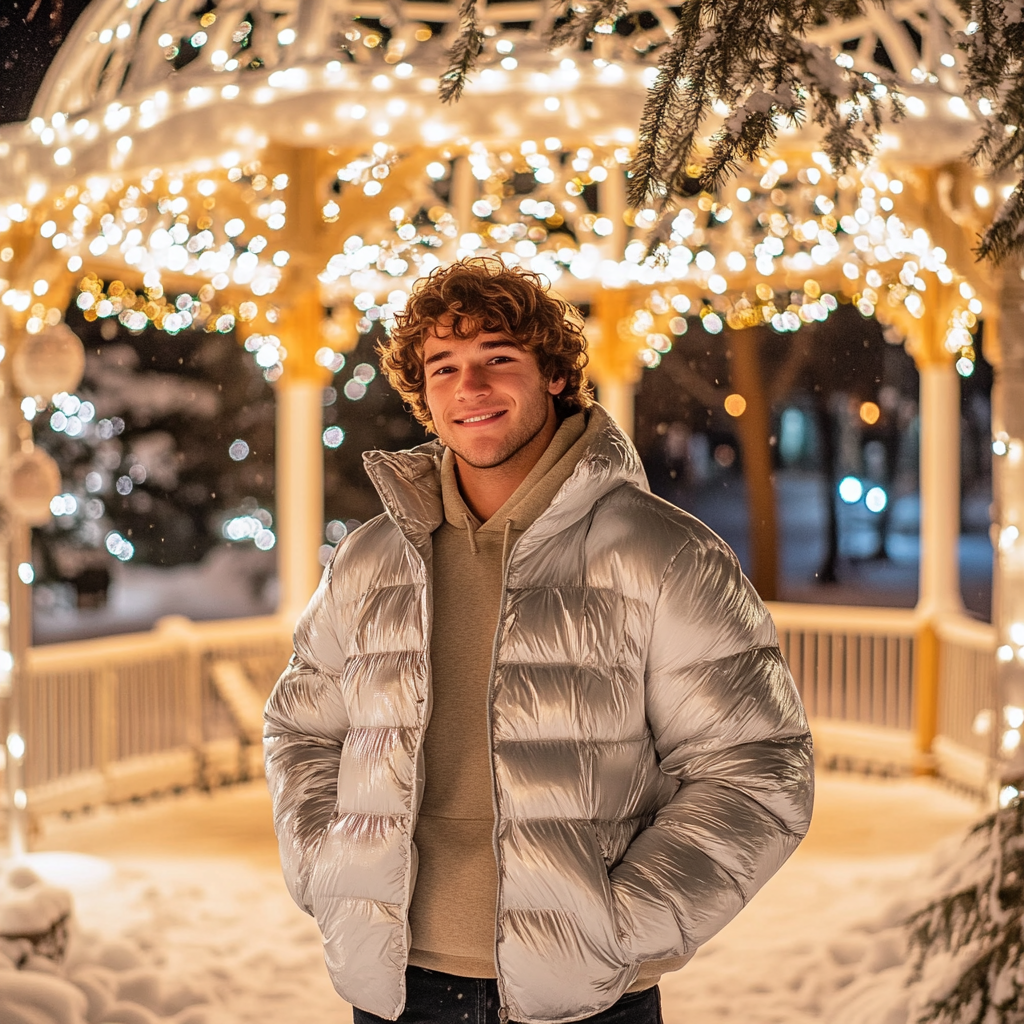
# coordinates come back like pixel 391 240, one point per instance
pixel 138 68
pixel 334 97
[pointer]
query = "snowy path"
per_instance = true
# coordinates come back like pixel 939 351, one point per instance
pixel 194 881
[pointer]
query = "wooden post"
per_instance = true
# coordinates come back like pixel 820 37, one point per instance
pixel 754 427
pixel 614 364
pixel 926 697
pixel 104 711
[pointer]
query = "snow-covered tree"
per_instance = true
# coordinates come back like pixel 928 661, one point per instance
pixel 748 67
pixel 166 439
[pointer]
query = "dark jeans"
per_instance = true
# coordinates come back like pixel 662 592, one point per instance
pixel 436 998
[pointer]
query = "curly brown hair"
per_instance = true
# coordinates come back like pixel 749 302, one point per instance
pixel 483 294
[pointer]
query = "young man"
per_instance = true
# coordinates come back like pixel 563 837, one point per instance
pixel 537 742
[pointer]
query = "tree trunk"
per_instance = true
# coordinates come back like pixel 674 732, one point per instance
pixel 825 425
pixel 754 428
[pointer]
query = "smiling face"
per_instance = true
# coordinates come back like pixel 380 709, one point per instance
pixel 488 400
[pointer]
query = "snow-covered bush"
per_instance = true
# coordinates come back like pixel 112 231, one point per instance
pixel 948 950
pixel 967 941
pixel 53 972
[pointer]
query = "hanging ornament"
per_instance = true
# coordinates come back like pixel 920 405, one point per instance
pixel 49 362
pixel 28 483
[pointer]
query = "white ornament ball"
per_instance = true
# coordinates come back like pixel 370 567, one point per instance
pixel 28 483
pixel 49 362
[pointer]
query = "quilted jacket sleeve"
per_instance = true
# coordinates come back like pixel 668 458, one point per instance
pixel 729 725
pixel 305 723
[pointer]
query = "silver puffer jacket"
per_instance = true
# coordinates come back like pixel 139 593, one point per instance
pixel 651 759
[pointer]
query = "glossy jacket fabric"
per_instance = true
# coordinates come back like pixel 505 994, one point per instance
pixel 651 760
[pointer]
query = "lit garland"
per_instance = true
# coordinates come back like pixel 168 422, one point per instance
pixel 723 258
pixel 148 226
pixel 767 250
pixel 751 256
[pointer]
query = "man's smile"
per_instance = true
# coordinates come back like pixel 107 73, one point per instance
pixel 484 417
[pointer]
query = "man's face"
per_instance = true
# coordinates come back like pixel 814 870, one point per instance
pixel 486 396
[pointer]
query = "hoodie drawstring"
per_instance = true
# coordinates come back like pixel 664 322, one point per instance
pixel 471 529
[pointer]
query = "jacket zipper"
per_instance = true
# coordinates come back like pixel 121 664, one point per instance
pixel 428 702
pixel 502 1008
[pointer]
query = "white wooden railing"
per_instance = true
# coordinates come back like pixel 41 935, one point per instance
pixel 858 674
pixel 855 669
pixel 965 746
pixel 110 719
pixel 121 717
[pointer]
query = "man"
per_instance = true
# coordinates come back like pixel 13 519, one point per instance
pixel 537 742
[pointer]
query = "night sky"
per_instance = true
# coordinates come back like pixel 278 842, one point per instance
pixel 30 33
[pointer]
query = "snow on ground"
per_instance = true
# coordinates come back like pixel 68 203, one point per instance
pixel 183 895
pixel 232 581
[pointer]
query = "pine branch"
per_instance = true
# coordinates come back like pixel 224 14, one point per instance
pixel 987 916
pixel 729 151
pixel 463 54
pixel 664 101
pixel 578 20
pixel 752 55
pixel 994 44
pixel 1003 236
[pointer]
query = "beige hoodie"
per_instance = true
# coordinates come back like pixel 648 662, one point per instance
pixel 454 904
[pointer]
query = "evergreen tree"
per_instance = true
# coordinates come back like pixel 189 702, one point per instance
pixel 167 438
pixel 755 57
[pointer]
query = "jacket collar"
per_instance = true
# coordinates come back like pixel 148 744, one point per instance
pixel 409 482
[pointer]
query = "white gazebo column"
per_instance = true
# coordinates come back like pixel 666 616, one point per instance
pixel 19 634
pixel 618 397
pixel 613 365
pixel 299 457
pixel 1008 525
pixel 15 628
pixel 939 571
pixel 939 566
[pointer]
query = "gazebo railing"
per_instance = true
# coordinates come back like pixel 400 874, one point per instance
pixel 855 669
pixel 851 664
pixel 121 717
pixel 965 746
pixel 858 673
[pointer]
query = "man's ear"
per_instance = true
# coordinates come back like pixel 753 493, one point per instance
pixel 557 386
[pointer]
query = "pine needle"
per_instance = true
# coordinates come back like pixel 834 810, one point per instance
pixel 752 57
pixel 995 72
pixel 463 54
pixel 578 20
pixel 750 63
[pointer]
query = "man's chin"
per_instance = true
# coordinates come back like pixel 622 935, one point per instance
pixel 481 460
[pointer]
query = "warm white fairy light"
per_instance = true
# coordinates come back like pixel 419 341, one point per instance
pixel 805 224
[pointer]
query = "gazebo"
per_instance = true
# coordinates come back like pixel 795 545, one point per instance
pixel 285 172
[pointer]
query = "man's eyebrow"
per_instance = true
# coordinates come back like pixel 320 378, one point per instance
pixel 487 345
pixel 436 357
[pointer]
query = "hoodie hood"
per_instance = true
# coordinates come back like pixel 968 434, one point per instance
pixel 409 482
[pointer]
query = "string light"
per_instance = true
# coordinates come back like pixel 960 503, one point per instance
pixel 795 226
pixel 539 204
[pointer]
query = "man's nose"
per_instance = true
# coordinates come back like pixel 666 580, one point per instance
pixel 473 381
